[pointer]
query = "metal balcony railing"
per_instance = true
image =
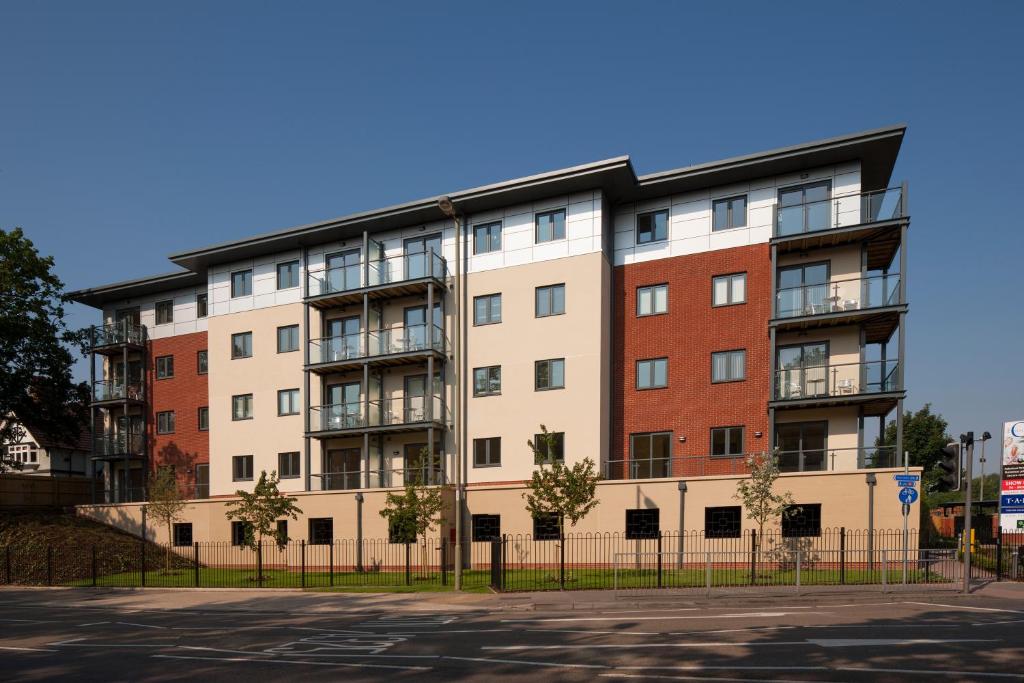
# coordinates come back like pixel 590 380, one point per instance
pixel 349 480
pixel 121 332
pixel 120 444
pixel 397 339
pixel 848 294
pixel 402 410
pixel 115 390
pixel 842 379
pixel 832 459
pixel 389 270
pixel 336 349
pixel 839 211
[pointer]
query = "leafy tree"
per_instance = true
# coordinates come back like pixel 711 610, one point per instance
pixel 166 504
pixel 569 492
pixel 36 383
pixel 924 437
pixel 759 497
pixel 260 510
pixel 413 513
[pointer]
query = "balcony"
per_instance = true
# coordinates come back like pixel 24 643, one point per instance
pixel 380 415
pixel 876 384
pixel 402 275
pixel 351 480
pixel 836 459
pixel 110 391
pixel 874 301
pixel 397 345
pixel 114 446
pixel 108 338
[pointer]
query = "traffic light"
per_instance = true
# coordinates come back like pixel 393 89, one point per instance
pixel 949 465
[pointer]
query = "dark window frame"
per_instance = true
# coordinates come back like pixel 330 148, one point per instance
pixel 199 418
pixel 555 237
pixel 321 531
pixel 202 305
pixel 652 229
pixel 178 533
pixel 239 531
pixel 743 440
pixel 490 234
pixel 538 441
pixel 298 342
pixel 486 528
pixel 289 265
pixel 730 212
pixel 169 422
pixel 639 522
pixel 202 362
pixel 245 283
pixel 164 369
pixel 712 529
pixel 729 289
pixel 728 380
pixel 235 470
pixel 164 312
pixel 297 410
pixel 489 460
pixel 651 373
pixel 241 335
pixel 536 375
pixel 289 458
pixel 252 409
pixel 489 298
pixel 548 292
pixel 652 288
pixel 490 369
pixel 802 520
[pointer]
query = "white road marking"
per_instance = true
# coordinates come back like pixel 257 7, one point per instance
pixel 128 623
pixel 646 611
pixel 855 642
pixel 25 649
pixel 427 633
pixel 631 646
pixel 929 672
pixel 290 661
pixel 998 623
pixel 325 630
pixel 700 678
pixel 27 621
pixel 528 663
pixel 95 623
pixel 598 633
pixel 745 615
pixel 214 649
pixel 700 667
pixel 966 607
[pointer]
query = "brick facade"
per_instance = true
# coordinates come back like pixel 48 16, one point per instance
pixel 184 393
pixel 687 335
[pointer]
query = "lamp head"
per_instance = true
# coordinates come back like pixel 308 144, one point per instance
pixel 446 206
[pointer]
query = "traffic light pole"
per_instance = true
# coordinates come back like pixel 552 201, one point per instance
pixel 967 449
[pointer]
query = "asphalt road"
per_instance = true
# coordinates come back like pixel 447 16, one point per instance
pixel 888 638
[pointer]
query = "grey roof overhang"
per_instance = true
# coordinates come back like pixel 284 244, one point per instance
pixel 130 289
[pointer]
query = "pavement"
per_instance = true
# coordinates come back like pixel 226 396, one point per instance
pixel 169 635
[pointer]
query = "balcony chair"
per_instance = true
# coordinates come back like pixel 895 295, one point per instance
pixel 846 386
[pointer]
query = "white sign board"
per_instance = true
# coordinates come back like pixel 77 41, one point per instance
pixel 1010 517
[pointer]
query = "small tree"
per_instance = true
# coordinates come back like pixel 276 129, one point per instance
pixel 570 493
pixel 758 495
pixel 412 514
pixel 260 510
pixel 166 504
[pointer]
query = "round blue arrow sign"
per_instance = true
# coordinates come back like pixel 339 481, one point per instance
pixel 908 495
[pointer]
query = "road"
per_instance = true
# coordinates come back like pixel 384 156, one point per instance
pixel 881 638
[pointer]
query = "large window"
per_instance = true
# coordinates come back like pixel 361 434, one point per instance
pixel 723 522
pixel 241 345
pixel 801 520
pixel 727 290
pixel 241 468
pixel 652 300
pixel 288 465
pixel 164 312
pixel 487 237
pixel 729 366
pixel 550 301
pixel 241 283
pixel 729 213
pixel 165 422
pixel 652 227
pixel 202 362
pixel 288 275
pixel 241 407
pixel 546 527
pixel 486 528
pixel 487 452
pixel 288 338
pixel 727 441
pixel 201 310
pixel 549 374
pixel 288 402
pixel 803 290
pixel 164 367
pixel 321 530
pixel 650 455
pixel 550 449
pixel 652 373
pixel 487 381
pixel 487 309
pixel 182 534
pixel 643 523
pixel 203 418
pixel 804 208
pixel 549 226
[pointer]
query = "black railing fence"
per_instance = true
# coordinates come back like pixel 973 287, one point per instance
pixel 523 562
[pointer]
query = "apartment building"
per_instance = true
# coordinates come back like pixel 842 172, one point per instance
pixel 663 325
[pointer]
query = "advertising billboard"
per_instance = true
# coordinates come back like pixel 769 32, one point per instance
pixel 1011 499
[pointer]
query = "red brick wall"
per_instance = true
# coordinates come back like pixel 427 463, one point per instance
pixel 691 405
pixel 184 394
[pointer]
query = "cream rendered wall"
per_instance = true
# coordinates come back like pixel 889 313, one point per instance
pixel 262 375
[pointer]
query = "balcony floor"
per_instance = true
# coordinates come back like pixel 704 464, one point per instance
pixel 385 291
pixel 882 237
pixel 378 429
pixel 874 404
pixel 390 360
pixel 878 323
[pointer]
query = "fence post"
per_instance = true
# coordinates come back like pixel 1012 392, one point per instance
pixel 142 578
pixel 842 555
pixel 753 556
pixel 561 562
pixel 330 559
pixel 504 560
pixel 707 572
pixel 259 563
pixel 999 554
pixel 885 571
pixel 195 557
pixel 659 559
pixel 798 570
pixel 408 565
pixel 94 566
pixel 303 563
pixel 444 561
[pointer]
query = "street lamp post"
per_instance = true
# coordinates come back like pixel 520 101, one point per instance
pixel 985 436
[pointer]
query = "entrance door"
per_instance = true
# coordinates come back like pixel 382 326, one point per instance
pixel 417 333
pixel 805 208
pixel 343 271
pixel 343 405
pixel 802 370
pixel 414 408
pixel 801 446
pixel 341 468
pixel 419 253
pixel 802 290
pixel 342 338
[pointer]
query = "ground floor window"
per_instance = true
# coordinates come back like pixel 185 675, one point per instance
pixel 643 523
pixel 281 534
pixel 546 527
pixel 321 530
pixel 486 527
pixel 183 534
pixel 801 520
pixel 722 522
pixel 240 532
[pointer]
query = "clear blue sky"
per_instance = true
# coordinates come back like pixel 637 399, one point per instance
pixel 129 130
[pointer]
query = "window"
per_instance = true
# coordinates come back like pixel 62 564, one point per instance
pixel 729 366
pixel 487 381
pixel 551 449
pixel 281 533
pixel 652 300
pixel 652 227
pixel 643 524
pixel 729 213
pixel 288 275
pixel 401 533
pixel 550 226
pixel 652 374
pixel 241 345
pixel 487 309
pixel 487 452
pixel 240 532
pixel 288 402
pixel 801 520
pixel 486 527
pixel 727 441
pixel 201 310
pixel 165 422
pixel 241 283
pixel 549 374
pixel 723 522
pixel 204 418
pixel 550 301
pixel 241 407
pixel 288 465
pixel 650 455
pixel 321 530
pixel 164 367
pixel 202 362
pixel 288 338
pixel 183 534
pixel 487 237
pixel 546 527
pixel 727 290
pixel 241 468
pixel 164 312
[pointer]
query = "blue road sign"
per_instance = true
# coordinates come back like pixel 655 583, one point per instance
pixel 908 495
pixel 1011 504
pixel 906 479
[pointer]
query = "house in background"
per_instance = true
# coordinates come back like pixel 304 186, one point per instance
pixel 38 452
